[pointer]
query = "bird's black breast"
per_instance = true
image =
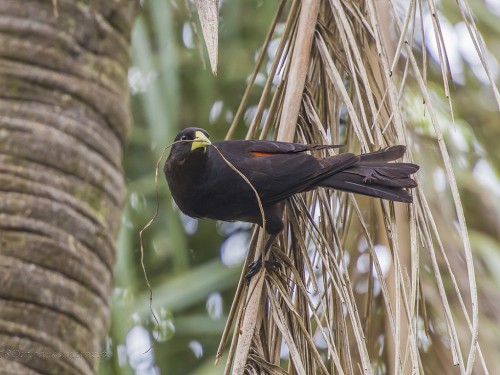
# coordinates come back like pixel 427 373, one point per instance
pixel 208 188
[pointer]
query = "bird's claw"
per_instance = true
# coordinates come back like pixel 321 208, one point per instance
pixel 253 269
pixel 255 266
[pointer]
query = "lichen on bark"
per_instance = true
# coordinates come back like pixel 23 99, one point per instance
pixel 64 119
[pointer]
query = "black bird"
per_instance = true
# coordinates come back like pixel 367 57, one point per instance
pixel 204 186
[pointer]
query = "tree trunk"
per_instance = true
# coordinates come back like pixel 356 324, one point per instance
pixel 64 118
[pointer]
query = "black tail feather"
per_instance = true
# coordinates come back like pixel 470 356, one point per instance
pixel 354 183
pixel 385 155
pixel 375 177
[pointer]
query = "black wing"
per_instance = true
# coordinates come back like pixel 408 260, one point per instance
pixel 271 147
pixel 278 170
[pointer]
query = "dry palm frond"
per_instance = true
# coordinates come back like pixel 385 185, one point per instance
pixel 334 305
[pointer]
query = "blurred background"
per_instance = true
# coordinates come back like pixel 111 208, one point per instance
pixel 193 266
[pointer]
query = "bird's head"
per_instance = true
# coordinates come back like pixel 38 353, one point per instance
pixel 190 141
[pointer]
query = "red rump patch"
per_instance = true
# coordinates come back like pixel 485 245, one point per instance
pixel 261 154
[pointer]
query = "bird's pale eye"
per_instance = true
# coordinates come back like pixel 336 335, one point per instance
pixel 184 138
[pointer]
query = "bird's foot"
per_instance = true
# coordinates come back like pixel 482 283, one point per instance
pixel 255 266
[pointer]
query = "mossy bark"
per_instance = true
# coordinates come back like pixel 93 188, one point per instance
pixel 64 119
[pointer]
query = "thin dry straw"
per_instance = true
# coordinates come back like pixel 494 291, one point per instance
pixel 261 208
pixel 247 181
pixel 142 246
pixel 55 8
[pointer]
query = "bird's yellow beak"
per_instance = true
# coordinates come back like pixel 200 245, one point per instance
pixel 200 140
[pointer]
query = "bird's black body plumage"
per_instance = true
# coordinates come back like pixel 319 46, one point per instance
pixel 204 186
